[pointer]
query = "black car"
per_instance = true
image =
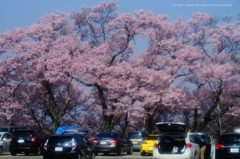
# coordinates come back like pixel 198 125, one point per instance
pixel 68 145
pixel 28 141
pixel 228 146
pixel 112 142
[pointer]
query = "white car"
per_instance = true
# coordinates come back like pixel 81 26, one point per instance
pixel 174 142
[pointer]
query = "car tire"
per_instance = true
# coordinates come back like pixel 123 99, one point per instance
pixel 38 151
pixel 130 152
pixel 26 153
pixel 143 153
pixel 13 153
pixel 78 156
pixel 120 152
pixel 93 156
pixel 1 150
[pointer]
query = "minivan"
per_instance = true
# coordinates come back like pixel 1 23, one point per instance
pixel 137 138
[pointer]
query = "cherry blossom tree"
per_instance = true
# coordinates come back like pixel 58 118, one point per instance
pixel 84 68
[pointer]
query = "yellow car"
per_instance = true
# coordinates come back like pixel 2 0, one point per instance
pixel 147 144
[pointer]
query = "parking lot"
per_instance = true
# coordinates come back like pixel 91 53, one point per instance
pixel 135 155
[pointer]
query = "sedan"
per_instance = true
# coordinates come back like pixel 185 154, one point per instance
pixel 228 146
pixel 108 142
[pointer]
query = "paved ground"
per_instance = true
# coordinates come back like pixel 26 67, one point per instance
pixel 135 155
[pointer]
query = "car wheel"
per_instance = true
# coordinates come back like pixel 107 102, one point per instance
pixel 93 156
pixel 143 153
pixel 1 150
pixel 78 156
pixel 130 152
pixel 38 151
pixel 120 152
pixel 13 153
pixel 26 153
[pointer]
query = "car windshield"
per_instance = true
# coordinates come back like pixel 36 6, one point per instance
pixel 23 134
pixel 135 135
pixel 231 138
pixel 111 135
pixel 151 138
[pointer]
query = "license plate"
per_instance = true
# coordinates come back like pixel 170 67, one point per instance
pixel 103 142
pixel 134 142
pixel 20 141
pixel 58 148
pixel 234 150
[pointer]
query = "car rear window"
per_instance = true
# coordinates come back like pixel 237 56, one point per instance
pixel 135 135
pixel 110 135
pixel 231 138
pixel 23 134
pixel 171 128
pixel 62 139
pixel 151 138
pixel 3 129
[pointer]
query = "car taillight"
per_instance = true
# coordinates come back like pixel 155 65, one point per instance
pixel 188 145
pixel 113 142
pixel 33 139
pixel 95 142
pixel 10 140
pixel 45 145
pixel 74 144
pixel 218 146
pixel 155 145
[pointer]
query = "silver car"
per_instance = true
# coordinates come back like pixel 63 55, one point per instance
pixel 4 142
pixel 174 142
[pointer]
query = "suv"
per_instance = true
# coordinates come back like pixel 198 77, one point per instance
pixel 174 142
pixel 27 141
pixel 68 145
pixel 137 138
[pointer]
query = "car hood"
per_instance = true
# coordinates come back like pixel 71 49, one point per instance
pixel 171 127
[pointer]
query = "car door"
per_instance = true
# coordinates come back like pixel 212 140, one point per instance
pixel 86 148
pixel 126 146
pixel 5 142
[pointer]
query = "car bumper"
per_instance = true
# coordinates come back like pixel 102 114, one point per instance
pixel 136 147
pixel 107 149
pixel 22 149
pixel 146 148
pixel 185 155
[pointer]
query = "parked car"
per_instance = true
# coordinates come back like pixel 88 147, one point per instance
pixel 210 147
pixel 11 129
pixel 147 144
pixel 4 142
pixel 68 145
pixel 228 146
pixel 28 141
pixel 137 138
pixel 174 142
pixel 112 142
pixel 82 131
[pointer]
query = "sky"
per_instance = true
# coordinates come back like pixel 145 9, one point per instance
pixel 21 13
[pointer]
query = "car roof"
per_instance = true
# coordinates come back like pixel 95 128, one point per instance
pixel 65 134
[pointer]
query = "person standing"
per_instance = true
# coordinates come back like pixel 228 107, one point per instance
pixel 202 146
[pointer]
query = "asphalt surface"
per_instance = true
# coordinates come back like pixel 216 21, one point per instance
pixel 135 155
